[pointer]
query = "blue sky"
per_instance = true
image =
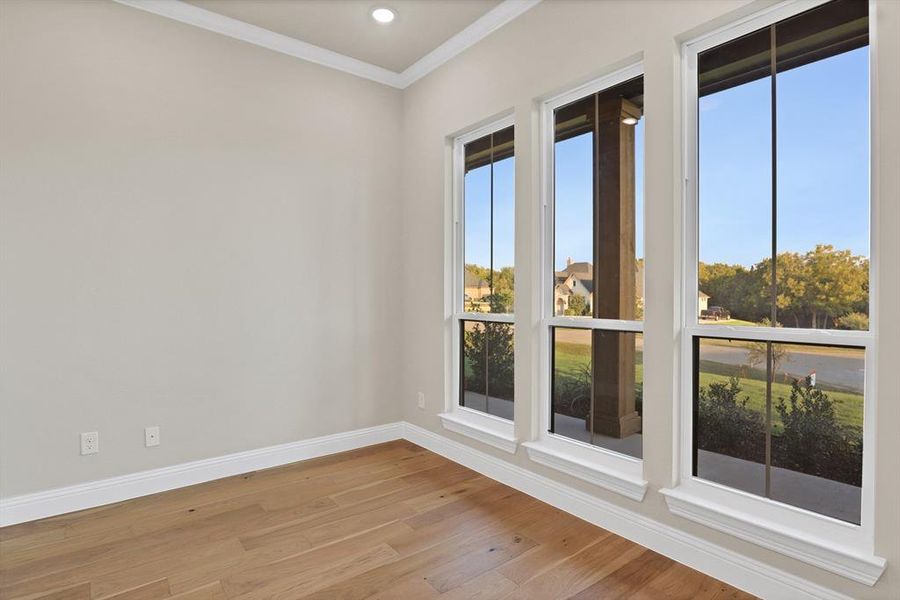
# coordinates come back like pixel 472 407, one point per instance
pixel 573 216
pixel 574 212
pixel 823 162
pixel 478 215
pixel 823 157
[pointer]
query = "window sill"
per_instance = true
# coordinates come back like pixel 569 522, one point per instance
pixel 490 430
pixel 605 477
pixel 844 560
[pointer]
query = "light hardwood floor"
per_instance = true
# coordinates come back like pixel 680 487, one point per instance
pixel 388 521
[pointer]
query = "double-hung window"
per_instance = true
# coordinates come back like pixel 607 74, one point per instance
pixel 481 399
pixel 777 346
pixel 592 275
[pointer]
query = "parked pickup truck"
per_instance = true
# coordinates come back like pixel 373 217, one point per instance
pixel 715 313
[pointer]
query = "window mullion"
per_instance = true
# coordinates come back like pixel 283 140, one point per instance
pixel 773 112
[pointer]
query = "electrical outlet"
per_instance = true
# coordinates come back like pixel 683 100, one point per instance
pixel 90 442
pixel 421 400
pixel 151 436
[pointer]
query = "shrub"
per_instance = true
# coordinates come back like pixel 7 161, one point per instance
pixel 854 320
pixel 572 393
pixel 578 306
pixel 813 442
pixel 489 355
pixel 726 426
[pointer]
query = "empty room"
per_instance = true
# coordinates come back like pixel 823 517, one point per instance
pixel 449 299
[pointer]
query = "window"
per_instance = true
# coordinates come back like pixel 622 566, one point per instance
pixel 592 283
pixel 596 369
pixel 783 243
pixel 777 382
pixel 484 273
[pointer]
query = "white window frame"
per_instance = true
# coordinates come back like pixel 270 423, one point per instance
pixel 611 470
pixel 489 429
pixel 828 543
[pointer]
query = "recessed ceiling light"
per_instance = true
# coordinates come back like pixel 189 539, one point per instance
pixel 383 15
pixel 630 121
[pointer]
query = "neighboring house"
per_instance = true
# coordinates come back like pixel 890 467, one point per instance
pixel 576 279
pixel 702 303
pixel 561 295
pixel 476 289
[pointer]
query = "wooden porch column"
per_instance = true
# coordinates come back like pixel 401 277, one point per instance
pixel 613 354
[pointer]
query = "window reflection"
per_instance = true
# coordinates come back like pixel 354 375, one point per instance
pixel 597 388
pixel 787 104
pixel 782 421
pixel 487 383
pixel 598 179
pixel 489 240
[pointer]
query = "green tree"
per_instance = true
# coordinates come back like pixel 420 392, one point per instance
pixel 578 306
pixel 855 320
pixel 837 282
pixel 792 279
pixel 740 290
pixel 812 289
pixel 759 352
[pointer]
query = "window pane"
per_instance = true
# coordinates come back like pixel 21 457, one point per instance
pixel 489 236
pixel 813 226
pixel 730 414
pixel 504 235
pixel 573 235
pixel 818 394
pixel 823 174
pixel 477 248
pixel 598 229
pixel 812 407
pixel 597 388
pixel 487 368
pixel 735 182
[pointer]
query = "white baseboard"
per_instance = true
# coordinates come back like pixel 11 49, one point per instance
pixel 29 507
pixel 736 569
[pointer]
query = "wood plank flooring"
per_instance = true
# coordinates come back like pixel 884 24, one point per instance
pixel 385 522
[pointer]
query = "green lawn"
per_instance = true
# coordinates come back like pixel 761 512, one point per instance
pixel 570 358
pixel 847 405
pixel 736 322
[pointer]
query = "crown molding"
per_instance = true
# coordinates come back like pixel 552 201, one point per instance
pixel 487 24
pixel 211 21
pixel 183 12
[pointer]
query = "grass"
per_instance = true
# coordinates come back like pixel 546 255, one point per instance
pixel 848 407
pixel 736 322
pixel 570 359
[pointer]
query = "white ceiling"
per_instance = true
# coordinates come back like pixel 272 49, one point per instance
pixel 341 34
pixel 346 27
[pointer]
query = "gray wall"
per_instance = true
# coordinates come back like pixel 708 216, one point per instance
pixel 550 48
pixel 196 234
pixel 246 249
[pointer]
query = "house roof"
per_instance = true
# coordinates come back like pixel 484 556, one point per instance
pixel 473 280
pixel 703 295
pixel 580 268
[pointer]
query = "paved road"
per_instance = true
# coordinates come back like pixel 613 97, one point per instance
pixel 842 370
